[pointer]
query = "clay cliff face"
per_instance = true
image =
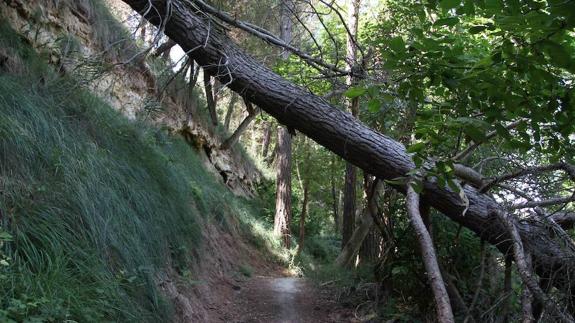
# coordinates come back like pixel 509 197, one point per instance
pixel 82 38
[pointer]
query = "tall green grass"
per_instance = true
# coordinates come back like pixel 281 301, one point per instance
pixel 97 206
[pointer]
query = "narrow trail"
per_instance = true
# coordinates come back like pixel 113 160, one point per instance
pixel 285 300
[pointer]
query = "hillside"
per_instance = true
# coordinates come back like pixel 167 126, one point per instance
pixel 108 213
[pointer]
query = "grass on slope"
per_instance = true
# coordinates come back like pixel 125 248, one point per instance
pixel 92 206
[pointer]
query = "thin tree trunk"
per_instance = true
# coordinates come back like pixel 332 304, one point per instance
pixel 553 255
pixel 266 139
pixel 349 198
pixel 335 197
pixel 365 223
pixel 210 99
pixel 215 90
pixel 283 187
pixel 455 296
pixel 230 110
pixel 444 312
pixel 507 290
pixel 233 139
pixel 303 215
pixel 283 193
pixel 368 250
pixel 482 266
pixel 349 192
pixel 351 248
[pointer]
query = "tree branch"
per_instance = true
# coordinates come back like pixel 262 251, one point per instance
pixel 444 311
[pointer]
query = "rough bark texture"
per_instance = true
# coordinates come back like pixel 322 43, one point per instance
pixel 444 312
pixel 553 254
pixel 283 193
pixel 283 189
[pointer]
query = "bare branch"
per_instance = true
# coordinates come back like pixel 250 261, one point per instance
pixel 265 35
pixel 525 271
pixel 568 168
pixel 444 311
pixel 548 202
pixel 467 151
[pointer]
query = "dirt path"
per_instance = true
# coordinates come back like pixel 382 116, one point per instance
pixel 285 300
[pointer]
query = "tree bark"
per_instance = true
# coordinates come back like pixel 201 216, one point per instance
pixel 349 197
pixel 507 290
pixel 351 248
pixel 444 311
pixel 283 187
pixel 266 140
pixel 365 223
pixel 553 254
pixel 302 217
pixel 335 197
pixel 210 98
pixel 233 139
pixel 283 194
pixel 230 110
pixel 349 192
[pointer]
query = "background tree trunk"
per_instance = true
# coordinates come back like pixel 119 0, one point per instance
pixel 283 187
pixel 303 215
pixel 230 110
pixel 349 193
pixel 335 197
pixel 283 198
pixel 210 98
pixel 233 139
pixel 266 139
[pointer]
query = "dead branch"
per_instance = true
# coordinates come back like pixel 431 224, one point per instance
pixel 474 145
pixel 444 311
pixel 525 271
pixel 568 168
pixel 265 35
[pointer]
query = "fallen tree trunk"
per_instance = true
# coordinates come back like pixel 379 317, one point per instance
pixel 553 254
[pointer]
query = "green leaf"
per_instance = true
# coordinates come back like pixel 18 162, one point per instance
pixel 451 21
pixel 396 181
pixel 374 105
pixel 477 29
pixel 449 4
pixel 416 147
pixel 354 92
pixel 417 186
pixel 559 55
pixel 397 45
pixel 453 185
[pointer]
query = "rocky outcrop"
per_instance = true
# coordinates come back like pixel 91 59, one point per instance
pixel 80 36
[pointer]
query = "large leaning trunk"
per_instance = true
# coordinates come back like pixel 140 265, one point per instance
pixel 553 254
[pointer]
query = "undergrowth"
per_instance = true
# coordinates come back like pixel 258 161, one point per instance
pixel 93 207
